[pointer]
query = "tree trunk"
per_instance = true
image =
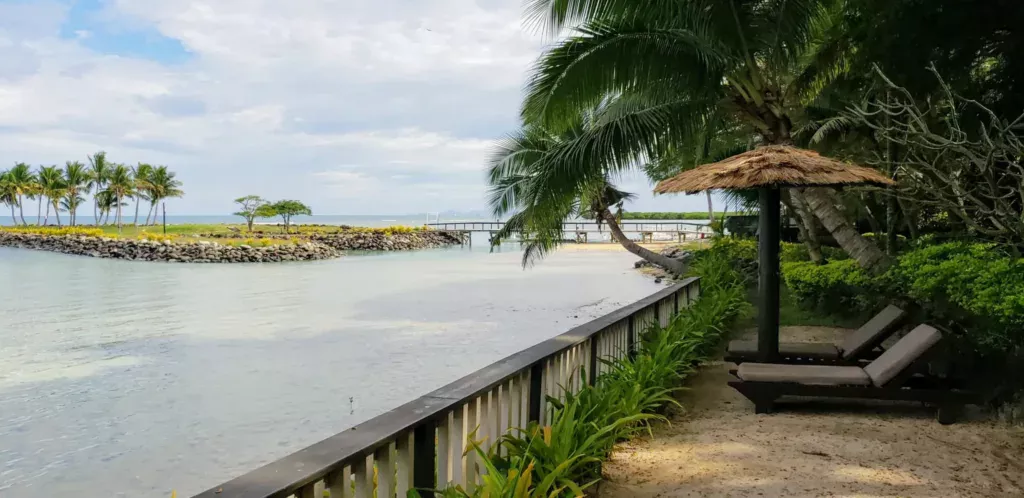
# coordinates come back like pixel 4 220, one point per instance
pixel 150 212
pixel 711 209
pixel 21 209
pixel 46 220
pixel 14 219
pixel 673 265
pixel 891 239
pixel 56 212
pixel 791 199
pixel 96 207
pixel 136 222
pixel 867 255
pixel 39 209
pixel 117 216
pixel 248 221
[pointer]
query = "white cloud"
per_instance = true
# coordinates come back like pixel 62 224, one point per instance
pixel 384 106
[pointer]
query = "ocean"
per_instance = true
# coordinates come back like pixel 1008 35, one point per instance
pixel 133 379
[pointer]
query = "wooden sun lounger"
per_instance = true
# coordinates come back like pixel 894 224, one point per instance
pixel 862 344
pixel 895 375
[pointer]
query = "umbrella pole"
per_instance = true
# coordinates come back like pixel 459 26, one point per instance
pixel 768 279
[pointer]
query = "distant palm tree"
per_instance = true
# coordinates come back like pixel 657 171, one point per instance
pixel 76 179
pixel 36 192
pixel 120 184
pixel 163 185
pixel 106 201
pixel 7 193
pixel 51 179
pixel 24 183
pixel 99 173
pixel 142 174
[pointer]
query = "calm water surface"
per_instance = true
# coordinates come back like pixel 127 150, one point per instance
pixel 132 379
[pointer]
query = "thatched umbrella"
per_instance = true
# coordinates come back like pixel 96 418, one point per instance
pixel 769 169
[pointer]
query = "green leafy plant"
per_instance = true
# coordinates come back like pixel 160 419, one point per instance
pixel 513 476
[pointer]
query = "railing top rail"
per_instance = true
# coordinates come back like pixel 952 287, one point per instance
pixel 286 475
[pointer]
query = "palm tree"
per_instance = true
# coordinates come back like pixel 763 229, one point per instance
pixel 163 185
pixel 120 184
pixel 526 184
pixel 76 179
pixel 36 192
pixel 141 174
pixel 670 64
pixel 24 183
pixel 99 173
pixel 51 179
pixel 107 202
pixel 8 194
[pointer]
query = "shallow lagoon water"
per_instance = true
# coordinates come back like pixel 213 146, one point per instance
pixel 134 379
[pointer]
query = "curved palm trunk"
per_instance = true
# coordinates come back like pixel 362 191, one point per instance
pixel 806 226
pixel 136 222
pixel 46 220
pixel 39 210
pixel 711 209
pixel 867 255
pixel 673 265
pixel 96 207
pixel 150 212
pixel 56 212
pixel 21 209
pixel 14 219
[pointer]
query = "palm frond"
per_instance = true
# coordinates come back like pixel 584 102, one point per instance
pixel 615 58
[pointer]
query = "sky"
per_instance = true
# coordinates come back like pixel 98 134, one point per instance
pixel 352 106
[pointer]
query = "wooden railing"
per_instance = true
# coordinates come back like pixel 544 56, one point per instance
pixel 421 444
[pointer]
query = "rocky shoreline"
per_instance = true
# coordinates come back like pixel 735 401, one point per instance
pixel 659 273
pixel 306 248
pixel 369 239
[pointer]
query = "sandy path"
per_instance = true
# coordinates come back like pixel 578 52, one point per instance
pixel 721 448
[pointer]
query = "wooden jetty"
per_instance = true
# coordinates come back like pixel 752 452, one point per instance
pixel 581 231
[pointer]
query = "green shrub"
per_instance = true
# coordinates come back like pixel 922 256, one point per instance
pixel 839 287
pixel 513 477
pixel 794 253
pixel 739 253
pixel 972 287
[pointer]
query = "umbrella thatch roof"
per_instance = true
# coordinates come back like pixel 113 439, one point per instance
pixel 777 165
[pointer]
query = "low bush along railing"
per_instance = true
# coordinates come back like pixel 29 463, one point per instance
pixel 563 458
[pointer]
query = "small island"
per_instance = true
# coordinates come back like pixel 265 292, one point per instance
pixel 222 243
pixel 113 185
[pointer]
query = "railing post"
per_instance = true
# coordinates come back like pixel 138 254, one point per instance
pixel 593 357
pixel 630 339
pixel 424 457
pixel 535 395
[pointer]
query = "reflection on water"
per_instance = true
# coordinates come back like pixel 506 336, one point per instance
pixel 132 379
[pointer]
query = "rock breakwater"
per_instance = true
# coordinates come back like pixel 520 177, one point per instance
pixel 155 250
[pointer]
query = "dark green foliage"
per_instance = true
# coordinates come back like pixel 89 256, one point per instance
pixel 975 285
pixel 840 287
pixel 792 253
